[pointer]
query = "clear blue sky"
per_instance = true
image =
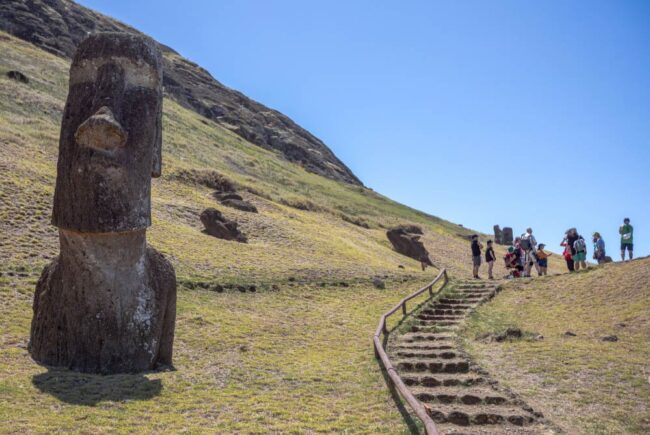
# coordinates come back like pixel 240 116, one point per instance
pixel 481 112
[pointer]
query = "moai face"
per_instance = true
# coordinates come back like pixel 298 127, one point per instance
pixel 110 144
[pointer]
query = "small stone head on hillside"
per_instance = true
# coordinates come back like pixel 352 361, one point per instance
pixel 110 144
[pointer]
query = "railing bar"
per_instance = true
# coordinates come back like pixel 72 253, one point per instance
pixel 414 403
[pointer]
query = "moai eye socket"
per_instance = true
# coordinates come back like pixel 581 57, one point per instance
pixel 110 135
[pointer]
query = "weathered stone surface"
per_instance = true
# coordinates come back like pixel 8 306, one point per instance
pixel 58 26
pixel 413 229
pixel 498 235
pixel 110 135
pixel 408 243
pixel 220 196
pixel 507 237
pixel 218 226
pixel 107 303
pixel 239 205
pixel 18 76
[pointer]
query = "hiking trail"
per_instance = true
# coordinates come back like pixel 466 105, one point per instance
pixel 458 395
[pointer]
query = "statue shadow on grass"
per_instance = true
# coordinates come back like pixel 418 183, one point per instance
pixel 89 390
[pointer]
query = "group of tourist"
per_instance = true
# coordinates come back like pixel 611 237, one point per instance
pixel 525 253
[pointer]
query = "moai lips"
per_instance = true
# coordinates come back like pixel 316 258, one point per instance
pixel 107 303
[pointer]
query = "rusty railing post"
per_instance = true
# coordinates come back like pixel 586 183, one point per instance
pixel 404 308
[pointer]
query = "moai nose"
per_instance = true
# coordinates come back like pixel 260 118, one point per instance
pixel 101 131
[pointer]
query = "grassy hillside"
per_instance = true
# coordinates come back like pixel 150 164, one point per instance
pixel 303 229
pixel 584 384
pixel 295 355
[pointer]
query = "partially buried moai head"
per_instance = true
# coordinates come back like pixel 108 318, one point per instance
pixel 110 144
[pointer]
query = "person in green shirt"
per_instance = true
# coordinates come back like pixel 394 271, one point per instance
pixel 627 242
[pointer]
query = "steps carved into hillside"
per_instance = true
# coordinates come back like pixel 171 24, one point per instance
pixel 458 395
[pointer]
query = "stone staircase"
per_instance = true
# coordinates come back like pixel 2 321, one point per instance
pixel 458 395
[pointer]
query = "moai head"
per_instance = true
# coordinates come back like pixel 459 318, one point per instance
pixel 110 144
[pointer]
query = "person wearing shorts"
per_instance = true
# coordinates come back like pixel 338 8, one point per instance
pixel 580 257
pixel 542 259
pixel 627 242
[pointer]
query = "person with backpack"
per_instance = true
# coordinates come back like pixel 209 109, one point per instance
pixel 580 249
pixel 626 231
pixel 528 244
pixel 599 248
pixel 476 255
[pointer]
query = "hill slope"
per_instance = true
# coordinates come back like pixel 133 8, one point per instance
pixel 294 355
pixel 584 384
pixel 303 230
pixel 58 26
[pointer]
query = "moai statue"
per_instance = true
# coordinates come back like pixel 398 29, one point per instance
pixel 498 235
pixel 506 236
pixel 107 303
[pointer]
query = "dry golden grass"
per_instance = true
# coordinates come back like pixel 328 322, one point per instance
pixel 297 359
pixel 584 384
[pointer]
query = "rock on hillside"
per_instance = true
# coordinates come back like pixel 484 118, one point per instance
pixel 59 25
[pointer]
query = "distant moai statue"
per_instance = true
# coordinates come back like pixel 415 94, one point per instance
pixel 506 236
pixel 107 303
pixel 498 235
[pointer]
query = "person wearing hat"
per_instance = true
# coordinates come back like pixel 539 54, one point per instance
pixel 542 259
pixel 599 248
pixel 626 231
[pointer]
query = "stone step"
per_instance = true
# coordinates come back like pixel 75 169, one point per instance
pixel 431 365
pixel 441 322
pixel 413 337
pixel 463 307
pixel 439 317
pixel 505 429
pixel 435 354
pixel 461 395
pixel 444 379
pixel 433 328
pixel 453 301
pixel 481 415
pixel 447 312
pixel 421 347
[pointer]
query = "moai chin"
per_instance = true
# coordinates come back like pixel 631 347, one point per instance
pixel 107 303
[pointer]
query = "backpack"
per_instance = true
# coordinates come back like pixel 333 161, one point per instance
pixel 580 245
pixel 525 242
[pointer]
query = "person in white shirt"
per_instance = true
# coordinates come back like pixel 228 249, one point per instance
pixel 529 245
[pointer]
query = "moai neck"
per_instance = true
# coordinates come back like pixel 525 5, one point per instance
pixel 117 257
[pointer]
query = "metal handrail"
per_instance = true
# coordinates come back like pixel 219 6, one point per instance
pixel 415 404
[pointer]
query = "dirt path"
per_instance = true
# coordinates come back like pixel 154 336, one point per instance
pixel 460 396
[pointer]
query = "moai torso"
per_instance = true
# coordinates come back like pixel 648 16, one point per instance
pixel 107 303
pixel 507 236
